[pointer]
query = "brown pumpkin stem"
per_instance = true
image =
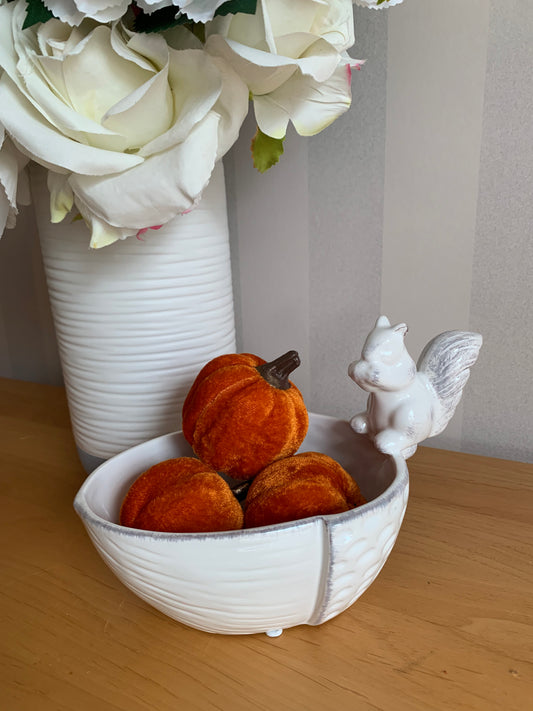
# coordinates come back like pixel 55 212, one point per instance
pixel 240 490
pixel 277 372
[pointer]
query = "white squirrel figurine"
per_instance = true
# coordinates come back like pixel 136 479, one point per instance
pixel 408 402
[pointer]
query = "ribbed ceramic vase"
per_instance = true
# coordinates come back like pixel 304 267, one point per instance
pixel 135 321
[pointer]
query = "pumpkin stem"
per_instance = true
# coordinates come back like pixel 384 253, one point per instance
pixel 277 372
pixel 241 489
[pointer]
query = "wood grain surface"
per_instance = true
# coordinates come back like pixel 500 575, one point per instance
pixel 448 624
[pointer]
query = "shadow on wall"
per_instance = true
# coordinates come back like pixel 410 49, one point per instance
pixel 28 349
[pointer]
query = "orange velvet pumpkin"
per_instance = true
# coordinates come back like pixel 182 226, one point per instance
pixel 181 495
pixel 242 413
pixel 307 484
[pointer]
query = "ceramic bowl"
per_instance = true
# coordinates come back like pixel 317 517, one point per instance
pixel 258 580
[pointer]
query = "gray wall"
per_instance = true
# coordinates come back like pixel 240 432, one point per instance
pixel 417 203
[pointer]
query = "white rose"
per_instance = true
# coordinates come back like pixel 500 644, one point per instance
pixel 12 180
pixel 74 11
pixel 197 10
pixel 130 127
pixel 293 58
pixel 376 5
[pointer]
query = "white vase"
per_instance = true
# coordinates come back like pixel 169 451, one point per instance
pixel 135 321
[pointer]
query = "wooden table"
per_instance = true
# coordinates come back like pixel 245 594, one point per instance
pixel 448 624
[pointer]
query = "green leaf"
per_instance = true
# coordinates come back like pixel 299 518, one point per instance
pixel 36 12
pixel 159 20
pixel 266 151
pixel 233 6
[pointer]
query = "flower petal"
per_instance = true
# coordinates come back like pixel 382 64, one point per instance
pixel 232 106
pixel 294 16
pixel 134 117
pixel 83 72
pixel 66 11
pixel 38 139
pixel 11 165
pixel 61 196
pixel 150 6
pixel 374 4
pixel 8 170
pixel 196 85
pixel 33 76
pixel 310 105
pixel 8 56
pixel 236 27
pixel 55 110
pixel 148 51
pixel 74 11
pixel 319 60
pixel 156 191
pixel 199 10
pixel 334 23
pixel 261 71
pixel 196 10
pixel 8 189
pixel 102 234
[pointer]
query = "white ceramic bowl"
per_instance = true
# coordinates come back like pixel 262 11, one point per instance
pixel 257 580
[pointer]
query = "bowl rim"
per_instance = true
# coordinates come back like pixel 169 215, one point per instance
pixel 89 517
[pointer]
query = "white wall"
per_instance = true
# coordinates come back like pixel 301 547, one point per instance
pixel 418 203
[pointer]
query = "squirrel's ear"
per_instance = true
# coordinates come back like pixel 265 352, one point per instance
pixel 401 328
pixel 382 322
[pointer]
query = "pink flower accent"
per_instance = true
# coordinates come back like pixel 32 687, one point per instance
pixel 145 229
pixel 349 67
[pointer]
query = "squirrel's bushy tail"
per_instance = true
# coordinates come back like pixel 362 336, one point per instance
pixel 446 363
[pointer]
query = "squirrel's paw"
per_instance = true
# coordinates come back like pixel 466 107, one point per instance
pixel 389 442
pixel 359 423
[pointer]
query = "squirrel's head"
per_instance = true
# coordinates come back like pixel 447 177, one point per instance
pixel 385 363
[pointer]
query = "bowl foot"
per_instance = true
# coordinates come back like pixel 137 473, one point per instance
pixel 274 633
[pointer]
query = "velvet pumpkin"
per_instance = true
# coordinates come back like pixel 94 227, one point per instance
pixel 307 484
pixel 242 413
pixel 181 495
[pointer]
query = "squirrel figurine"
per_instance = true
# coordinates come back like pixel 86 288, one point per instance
pixel 409 402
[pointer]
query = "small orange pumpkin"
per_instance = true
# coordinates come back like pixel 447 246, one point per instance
pixel 308 484
pixel 181 495
pixel 242 413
